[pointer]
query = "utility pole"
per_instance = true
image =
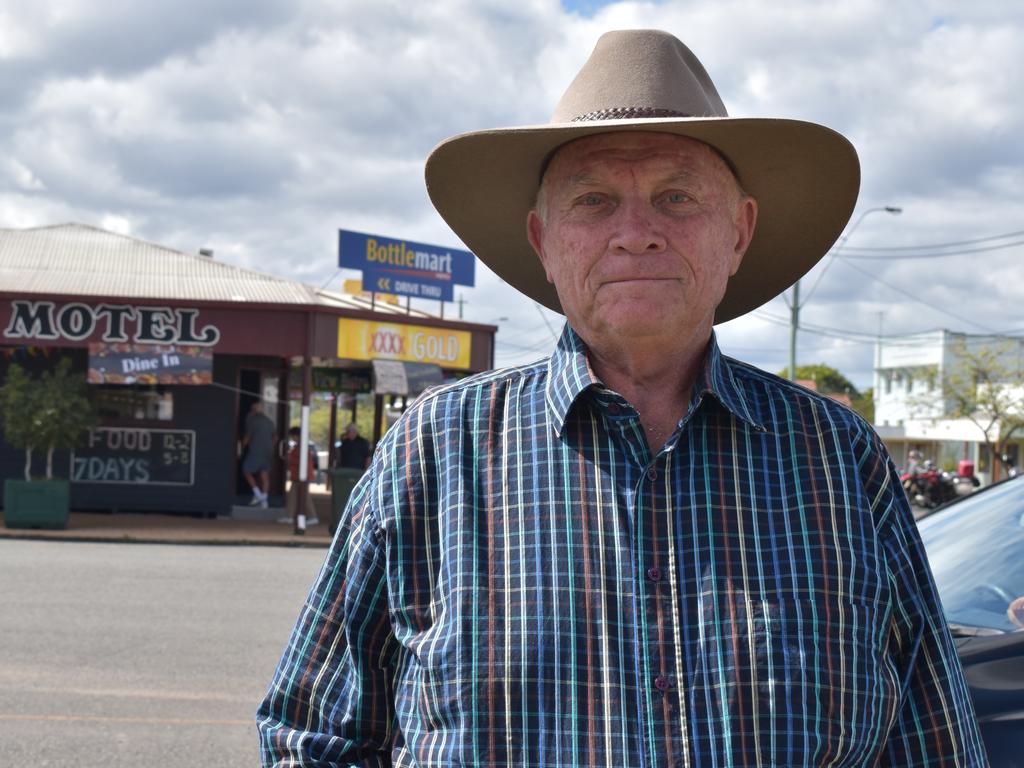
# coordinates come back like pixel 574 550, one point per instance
pixel 877 378
pixel 794 326
pixel 794 313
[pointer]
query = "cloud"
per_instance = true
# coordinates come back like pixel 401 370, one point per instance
pixel 259 127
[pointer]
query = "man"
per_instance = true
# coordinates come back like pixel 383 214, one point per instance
pixel 353 450
pixel 258 444
pixel 913 462
pixel 638 552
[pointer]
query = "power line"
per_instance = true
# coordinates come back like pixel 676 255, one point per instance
pixel 539 346
pixel 828 333
pixel 953 244
pixel 845 255
pixel 859 337
pixel 919 300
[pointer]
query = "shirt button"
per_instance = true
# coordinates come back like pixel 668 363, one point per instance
pixel 661 683
pixel 654 574
pixel 652 474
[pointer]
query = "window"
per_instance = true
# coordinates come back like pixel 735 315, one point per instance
pixel 116 405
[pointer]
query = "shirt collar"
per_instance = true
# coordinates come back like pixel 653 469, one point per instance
pixel 718 378
pixel 570 374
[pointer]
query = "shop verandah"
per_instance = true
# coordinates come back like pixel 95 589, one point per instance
pixel 94 296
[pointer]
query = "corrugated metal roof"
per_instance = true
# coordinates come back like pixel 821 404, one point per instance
pixel 349 301
pixel 79 260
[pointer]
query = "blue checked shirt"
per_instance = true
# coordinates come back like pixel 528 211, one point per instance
pixel 518 581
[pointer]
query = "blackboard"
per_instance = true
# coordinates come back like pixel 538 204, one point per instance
pixel 125 455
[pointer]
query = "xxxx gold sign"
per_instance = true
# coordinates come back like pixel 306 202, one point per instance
pixel 366 340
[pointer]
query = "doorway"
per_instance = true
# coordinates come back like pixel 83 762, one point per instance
pixel 266 386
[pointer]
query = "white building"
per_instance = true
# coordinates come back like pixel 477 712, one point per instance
pixel 910 411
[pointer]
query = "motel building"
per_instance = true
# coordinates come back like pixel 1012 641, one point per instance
pixel 177 346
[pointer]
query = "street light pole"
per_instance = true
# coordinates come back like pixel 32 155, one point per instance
pixel 794 314
pixel 794 324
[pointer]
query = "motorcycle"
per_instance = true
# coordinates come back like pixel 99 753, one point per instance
pixel 928 487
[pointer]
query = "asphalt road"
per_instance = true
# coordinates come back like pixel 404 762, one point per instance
pixel 141 656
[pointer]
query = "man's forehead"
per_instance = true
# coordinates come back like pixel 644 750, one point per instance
pixel 580 158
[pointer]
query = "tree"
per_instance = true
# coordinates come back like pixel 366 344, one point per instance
pixel 17 400
pixel 985 385
pixel 864 404
pixel 829 381
pixel 320 419
pixel 50 413
pixel 826 378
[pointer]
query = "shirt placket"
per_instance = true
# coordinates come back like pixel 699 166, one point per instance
pixel 658 636
pixel 660 603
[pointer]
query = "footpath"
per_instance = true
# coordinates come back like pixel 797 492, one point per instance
pixel 245 528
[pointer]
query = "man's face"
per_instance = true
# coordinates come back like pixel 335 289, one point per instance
pixel 640 232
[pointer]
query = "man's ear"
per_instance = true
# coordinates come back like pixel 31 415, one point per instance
pixel 535 234
pixel 745 222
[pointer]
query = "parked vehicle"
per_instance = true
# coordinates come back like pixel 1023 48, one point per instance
pixel 929 487
pixel 976 549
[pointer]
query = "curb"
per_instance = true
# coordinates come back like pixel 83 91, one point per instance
pixel 298 542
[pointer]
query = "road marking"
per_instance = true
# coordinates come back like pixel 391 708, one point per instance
pixel 113 719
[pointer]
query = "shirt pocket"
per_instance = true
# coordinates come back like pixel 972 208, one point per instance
pixel 798 681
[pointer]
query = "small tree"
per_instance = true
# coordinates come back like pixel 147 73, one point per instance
pixel 986 386
pixel 17 404
pixel 50 413
pixel 826 378
pixel 865 404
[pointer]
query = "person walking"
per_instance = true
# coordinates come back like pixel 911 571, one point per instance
pixel 258 445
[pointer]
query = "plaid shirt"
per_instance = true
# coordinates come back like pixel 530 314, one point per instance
pixel 517 580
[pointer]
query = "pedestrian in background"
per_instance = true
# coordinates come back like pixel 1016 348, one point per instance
pixel 292 498
pixel 354 450
pixel 258 445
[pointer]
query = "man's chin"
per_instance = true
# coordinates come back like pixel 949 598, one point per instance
pixel 640 322
pixel 637 327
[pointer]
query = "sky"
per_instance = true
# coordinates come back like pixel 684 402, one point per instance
pixel 258 128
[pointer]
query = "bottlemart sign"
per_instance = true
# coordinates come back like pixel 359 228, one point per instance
pixel 405 267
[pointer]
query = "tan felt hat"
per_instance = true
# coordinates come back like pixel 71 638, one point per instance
pixel 804 176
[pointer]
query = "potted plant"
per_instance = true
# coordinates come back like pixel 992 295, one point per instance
pixel 46 414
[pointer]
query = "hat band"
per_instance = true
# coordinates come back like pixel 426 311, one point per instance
pixel 627 113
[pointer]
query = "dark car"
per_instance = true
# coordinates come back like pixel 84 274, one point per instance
pixel 976 550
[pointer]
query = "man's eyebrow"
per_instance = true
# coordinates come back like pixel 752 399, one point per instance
pixel 583 179
pixel 681 175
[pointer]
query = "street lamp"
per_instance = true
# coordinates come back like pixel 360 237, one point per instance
pixel 794 314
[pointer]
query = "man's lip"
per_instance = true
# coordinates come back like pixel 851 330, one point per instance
pixel 646 279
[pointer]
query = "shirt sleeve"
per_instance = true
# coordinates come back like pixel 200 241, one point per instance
pixel 934 722
pixel 330 702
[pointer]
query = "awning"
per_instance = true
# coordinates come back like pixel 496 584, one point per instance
pixel 392 377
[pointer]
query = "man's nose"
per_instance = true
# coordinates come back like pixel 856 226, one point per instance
pixel 636 229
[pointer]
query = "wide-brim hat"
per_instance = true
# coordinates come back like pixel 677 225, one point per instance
pixel 804 176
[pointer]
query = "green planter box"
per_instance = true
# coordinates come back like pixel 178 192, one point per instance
pixel 36 504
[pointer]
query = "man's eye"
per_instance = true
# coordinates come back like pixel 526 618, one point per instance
pixel 590 200
pixel 676 198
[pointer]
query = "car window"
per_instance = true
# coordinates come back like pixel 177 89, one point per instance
pixel 976 551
